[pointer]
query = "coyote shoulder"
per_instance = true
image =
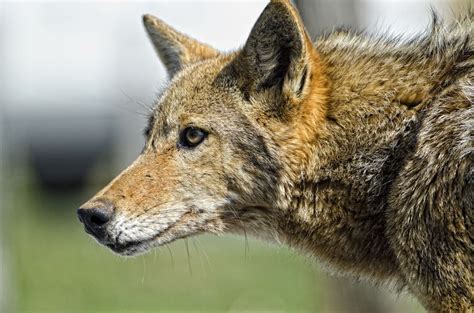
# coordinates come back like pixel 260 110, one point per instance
pixel 356 149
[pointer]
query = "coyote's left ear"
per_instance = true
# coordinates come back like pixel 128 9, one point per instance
pixel 175 49
pixel 278 55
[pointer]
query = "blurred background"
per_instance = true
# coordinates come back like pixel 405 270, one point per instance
pixel 76 79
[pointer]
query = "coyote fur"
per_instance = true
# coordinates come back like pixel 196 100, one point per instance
pixel 355 149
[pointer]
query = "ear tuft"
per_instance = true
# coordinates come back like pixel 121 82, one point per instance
pixel 175 49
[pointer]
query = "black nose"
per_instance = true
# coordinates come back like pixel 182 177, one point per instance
pixel 95 220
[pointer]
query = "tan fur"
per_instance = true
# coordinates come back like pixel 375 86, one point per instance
pixel 356 150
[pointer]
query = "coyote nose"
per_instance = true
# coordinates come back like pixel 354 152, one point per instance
pixel 95 220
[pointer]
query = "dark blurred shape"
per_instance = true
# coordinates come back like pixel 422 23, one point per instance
pixel 64 150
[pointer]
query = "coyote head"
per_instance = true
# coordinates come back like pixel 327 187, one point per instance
pixel 222 141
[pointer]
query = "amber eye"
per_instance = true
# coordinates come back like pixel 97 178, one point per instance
pixel 190 137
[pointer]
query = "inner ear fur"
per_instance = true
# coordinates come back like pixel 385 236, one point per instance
pixel 176 50
pixel 278 55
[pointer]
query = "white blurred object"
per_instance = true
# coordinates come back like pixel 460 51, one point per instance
pixel 84 60
pixel 407 17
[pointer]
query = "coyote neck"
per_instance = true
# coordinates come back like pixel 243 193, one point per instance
pixel 340 193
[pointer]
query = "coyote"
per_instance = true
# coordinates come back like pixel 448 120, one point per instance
pixel 355 149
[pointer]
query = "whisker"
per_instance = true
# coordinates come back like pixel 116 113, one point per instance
pixel 171 255
pixel 244 229
pixel 247 248
pixel 144 269
pixel 189 258
pixel 125 109
pixel 154 254
pixel 199 255
pixel 147 107
pixel 205 253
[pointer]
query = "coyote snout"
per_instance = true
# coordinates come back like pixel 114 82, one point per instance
pixel 151 204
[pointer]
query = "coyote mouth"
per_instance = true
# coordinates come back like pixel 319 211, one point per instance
pixel 130 248
pixel 160 238
pixel 135 247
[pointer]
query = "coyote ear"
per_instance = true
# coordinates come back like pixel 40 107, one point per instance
pixel 175 49
pixel 277 53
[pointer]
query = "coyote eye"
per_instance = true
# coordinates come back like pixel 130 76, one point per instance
pixel 190 137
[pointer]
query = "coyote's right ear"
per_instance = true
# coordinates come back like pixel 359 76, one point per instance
pixel 278 56
pixel 175 49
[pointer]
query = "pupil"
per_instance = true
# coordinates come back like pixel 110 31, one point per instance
pixel 193 135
